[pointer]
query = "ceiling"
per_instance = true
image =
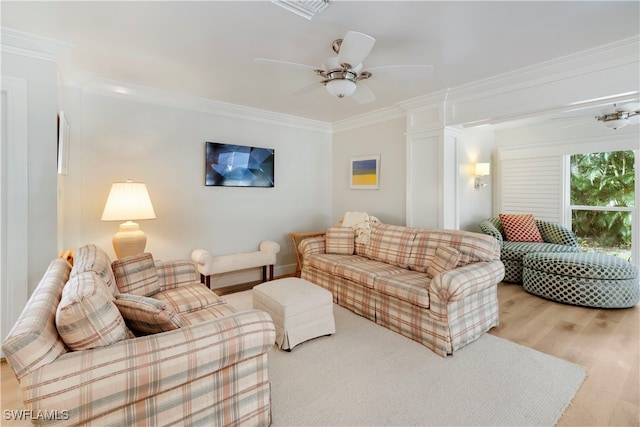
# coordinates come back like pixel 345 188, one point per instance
pixel 206 48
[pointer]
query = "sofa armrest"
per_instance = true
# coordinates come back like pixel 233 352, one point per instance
pixel 92 383
pixel 556 233
pixel 487 227
pixel 461 282
pixel 176 273
pixel 310 246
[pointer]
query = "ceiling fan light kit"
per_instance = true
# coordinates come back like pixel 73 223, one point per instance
pixel 619 119
pixel 341 87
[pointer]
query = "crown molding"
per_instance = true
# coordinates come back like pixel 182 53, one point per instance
pixel 124 90
pixel 366 119
pixel 33 46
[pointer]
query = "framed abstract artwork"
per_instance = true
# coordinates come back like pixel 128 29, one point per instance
pixel 365 173
pixel 229 165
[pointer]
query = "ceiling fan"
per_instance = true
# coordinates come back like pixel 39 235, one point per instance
pixel 621 116
pixel 342 74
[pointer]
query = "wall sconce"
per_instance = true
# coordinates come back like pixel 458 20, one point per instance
pixel 482 170
pixel 128 201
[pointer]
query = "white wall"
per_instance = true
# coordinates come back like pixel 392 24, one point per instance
pixel 164 147
pixel 386 139
pixel 475 145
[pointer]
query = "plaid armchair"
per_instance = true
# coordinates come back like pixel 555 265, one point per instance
pixel 556 239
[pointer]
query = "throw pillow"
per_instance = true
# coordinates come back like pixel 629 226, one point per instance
pixel 339 240
pixel 86 316
pixel 147 315
pixel 445 258
pixel 520 228
pixel 92 258
pixel 136 274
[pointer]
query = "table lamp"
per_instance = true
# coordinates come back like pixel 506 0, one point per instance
pixel 128 201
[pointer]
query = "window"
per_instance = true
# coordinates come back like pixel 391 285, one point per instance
pixel 602 191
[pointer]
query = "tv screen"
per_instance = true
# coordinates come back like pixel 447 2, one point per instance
pixel 239 166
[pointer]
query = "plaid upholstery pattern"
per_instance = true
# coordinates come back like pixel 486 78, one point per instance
pixel 443 314
pixel 366 272
pixel 33 342
pixel 164 378
pixel 136 274
pixel 92 258
pixel 444 259
pixel 556 239
pixel 409 286
pixel 212 371
pixel 390 244
pixel 340 240
pixel 147 315
pixel 210 312
pixel 87 317
pixel 520 228
pixel 173 274
pixel 473 247
pixel 190 298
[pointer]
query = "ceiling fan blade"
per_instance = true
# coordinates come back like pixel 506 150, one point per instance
pixel 279 63
pixel 403 72
pixel 355 47
pixel 306 89
pixel 363 94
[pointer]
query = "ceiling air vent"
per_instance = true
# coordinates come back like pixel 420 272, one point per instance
pixel 305 8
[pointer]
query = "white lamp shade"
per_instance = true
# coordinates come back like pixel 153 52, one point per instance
pixel 128 201
pixel 341 87
pixel 483 169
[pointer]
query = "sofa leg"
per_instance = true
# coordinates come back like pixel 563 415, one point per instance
pixel 271 272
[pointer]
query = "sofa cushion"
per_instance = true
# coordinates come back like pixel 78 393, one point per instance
pixel 390 244
pixel 92 258
pixel 189 298
pixel 473 247
pixel 329 262
pixel 520 228
pixel 517 250
pixel 446 258
pixel 410 286
pixel 367 271
pixel 339 240
pixel 215 311
pixel 147 315
pixel 137 275
pixel 86 316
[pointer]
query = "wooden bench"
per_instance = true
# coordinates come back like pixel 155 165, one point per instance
pixel 209 265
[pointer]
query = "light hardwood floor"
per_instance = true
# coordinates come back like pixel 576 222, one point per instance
pixel 606 343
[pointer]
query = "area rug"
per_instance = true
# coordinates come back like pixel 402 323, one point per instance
pixel 367 375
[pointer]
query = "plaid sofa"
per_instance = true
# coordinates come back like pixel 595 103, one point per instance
pixel 437 287
pixel 208 367
pixel 557 239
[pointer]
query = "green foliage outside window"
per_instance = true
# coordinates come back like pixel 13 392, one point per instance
pixel 603 179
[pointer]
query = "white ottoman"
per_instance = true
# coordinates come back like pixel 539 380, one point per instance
pixel 299 309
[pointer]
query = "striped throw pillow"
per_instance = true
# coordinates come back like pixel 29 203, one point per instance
pixel 86 316
pixel 520 228
pixel 147 315
pixel 136 274
pixel 446 258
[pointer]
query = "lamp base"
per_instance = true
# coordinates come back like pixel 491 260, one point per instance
pixel 130 240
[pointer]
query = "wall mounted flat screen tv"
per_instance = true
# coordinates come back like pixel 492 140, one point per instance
pixel 239 166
